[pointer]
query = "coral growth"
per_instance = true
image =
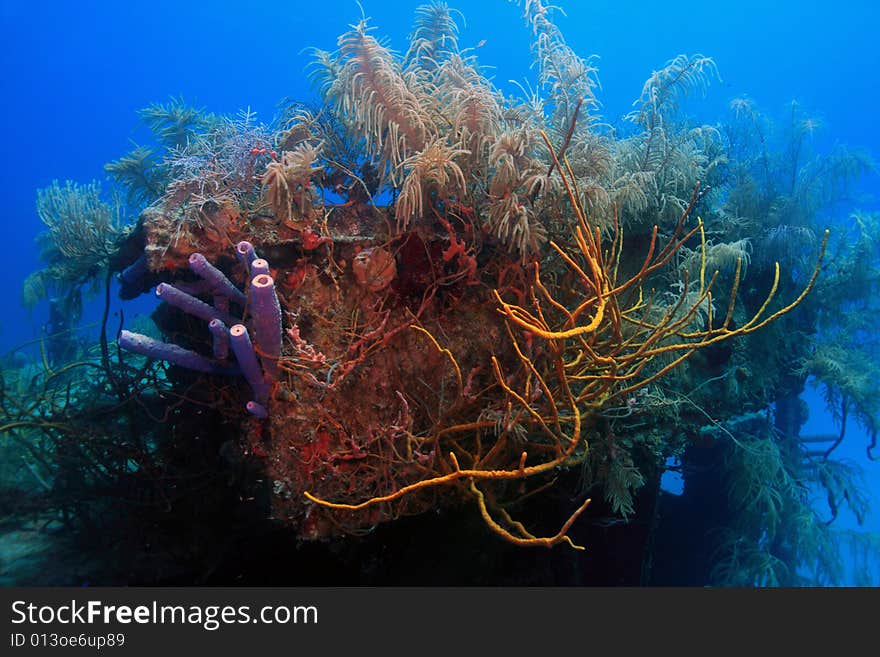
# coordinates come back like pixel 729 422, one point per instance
pixel 470 298
pixel 384 312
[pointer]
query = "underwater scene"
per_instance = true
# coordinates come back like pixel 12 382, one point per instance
pixel 476 293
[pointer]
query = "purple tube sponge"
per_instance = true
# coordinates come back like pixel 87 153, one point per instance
pixel 266 311
pixel 258 365
pixel 189 304
pixel 245 253
pixel 217 279
pixel 132 274
pixel 244 352
pixel 221 303
pixel 221 338
pixel 257 410
pixel 151 348
pixel 259 266
pixel 194 288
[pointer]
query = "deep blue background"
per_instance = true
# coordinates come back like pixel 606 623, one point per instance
pixel 74 73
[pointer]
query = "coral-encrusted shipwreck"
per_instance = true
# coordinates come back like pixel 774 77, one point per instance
pixel 386 375
pixel 469 340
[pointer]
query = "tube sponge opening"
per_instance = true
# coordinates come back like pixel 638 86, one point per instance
pixel 259 266
pixel 245 252
pixel 257 410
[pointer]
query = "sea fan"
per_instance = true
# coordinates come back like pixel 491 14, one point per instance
pixel 81 226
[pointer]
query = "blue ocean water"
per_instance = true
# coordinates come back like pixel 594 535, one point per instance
pixel 72 85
